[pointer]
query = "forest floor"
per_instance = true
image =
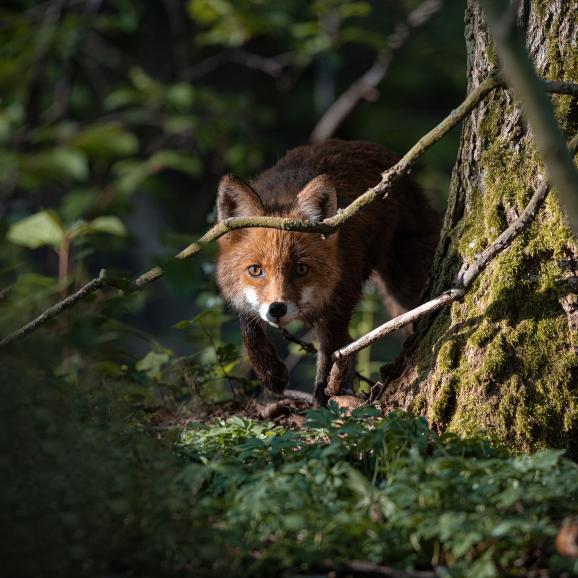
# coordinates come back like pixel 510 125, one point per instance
pixel 288 410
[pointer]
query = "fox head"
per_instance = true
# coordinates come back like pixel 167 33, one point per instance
pixel 277 275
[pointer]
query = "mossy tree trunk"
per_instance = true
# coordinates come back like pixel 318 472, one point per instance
pixel 503 360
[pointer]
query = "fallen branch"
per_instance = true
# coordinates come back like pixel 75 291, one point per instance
pixel 342 107
pixel 326 227
pixel 464 280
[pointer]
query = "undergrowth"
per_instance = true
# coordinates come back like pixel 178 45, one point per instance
pixel 89 489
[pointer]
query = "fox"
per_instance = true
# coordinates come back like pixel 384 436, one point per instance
pixel 272 276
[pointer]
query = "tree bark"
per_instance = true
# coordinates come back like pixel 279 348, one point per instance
pixel 504 359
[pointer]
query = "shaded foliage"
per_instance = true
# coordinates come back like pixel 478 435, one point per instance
pixel 88 487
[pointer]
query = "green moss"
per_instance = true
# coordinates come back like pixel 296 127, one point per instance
pixel 495 359
pixel 501 358
pixel 444 405
pixel 418 404
pixel 482 334
pixel 447 356
pixel 556 64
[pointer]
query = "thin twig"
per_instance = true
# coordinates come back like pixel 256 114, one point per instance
pixel 306 346
pixel 342 107
pixel 5 292
pixel 464 280
pixel 88 289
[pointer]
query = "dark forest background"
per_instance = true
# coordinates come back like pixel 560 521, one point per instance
pixel 118 117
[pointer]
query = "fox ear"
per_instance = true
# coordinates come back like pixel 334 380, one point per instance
pixel 236 198
pixel 317 200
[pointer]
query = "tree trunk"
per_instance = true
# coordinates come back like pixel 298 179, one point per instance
pixel 503 360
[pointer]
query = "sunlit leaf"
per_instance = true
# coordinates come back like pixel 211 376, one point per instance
pixel 108 224
pixel 152 363
pixel 43 228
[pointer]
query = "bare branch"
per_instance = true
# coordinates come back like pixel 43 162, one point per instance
pixel 464 279
pixel 342 356
pixel 342 107
pixel 55 310
pixel 518 72
pixel 103 280
pixel 270 65
pixel 389 177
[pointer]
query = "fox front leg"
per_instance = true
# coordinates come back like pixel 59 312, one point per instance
pixel 332 334
pixel 270 370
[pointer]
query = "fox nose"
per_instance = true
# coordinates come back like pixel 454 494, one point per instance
pixel 277 309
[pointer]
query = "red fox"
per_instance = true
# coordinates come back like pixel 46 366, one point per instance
pixel 274 276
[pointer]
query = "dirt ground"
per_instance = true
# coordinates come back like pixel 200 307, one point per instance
pixel 287 411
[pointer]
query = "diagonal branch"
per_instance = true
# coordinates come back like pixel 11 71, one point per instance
pixel 388 178
pixel 104 279
pixel 464 280
pixel 342 107
pixel 326 227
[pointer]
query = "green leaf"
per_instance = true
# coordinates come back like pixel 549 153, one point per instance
pixel 108 224
pixel 171 159
pixel 546 459
pixel 43 228
pixel 152 363
pixel 106 141
pixel 69 161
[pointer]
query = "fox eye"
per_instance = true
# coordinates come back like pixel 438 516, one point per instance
pixel 301 269
pixel 255 270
